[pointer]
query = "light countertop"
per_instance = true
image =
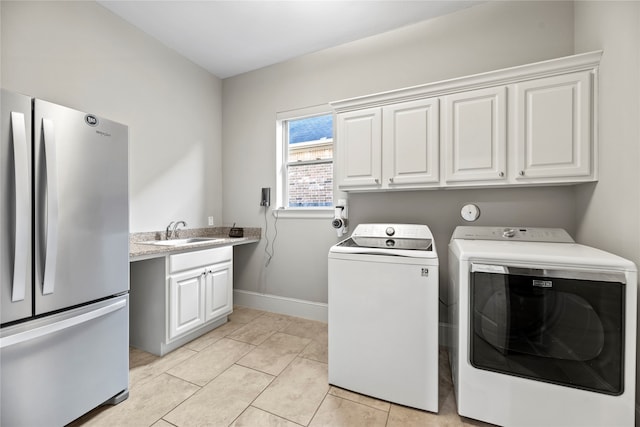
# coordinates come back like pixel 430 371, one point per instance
pixel 139 251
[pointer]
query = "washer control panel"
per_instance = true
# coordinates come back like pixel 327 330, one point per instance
pixel 521 234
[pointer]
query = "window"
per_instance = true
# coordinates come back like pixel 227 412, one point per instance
pixel 305 145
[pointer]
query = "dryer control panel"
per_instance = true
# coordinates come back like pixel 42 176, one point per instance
pixel 522 234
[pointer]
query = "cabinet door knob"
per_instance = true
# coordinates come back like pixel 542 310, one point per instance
pixel 391 180
pixel 377 181
pixel 521 173
pixel 501 174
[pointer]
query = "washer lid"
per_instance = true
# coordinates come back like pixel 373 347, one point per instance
pixel 396 231
pixel 408 240
pixel 388 243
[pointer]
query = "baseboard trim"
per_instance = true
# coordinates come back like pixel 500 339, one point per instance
pixel 283 305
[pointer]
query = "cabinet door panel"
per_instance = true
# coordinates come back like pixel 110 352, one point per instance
pixel 552 127
pixel 474 135
pixel 411 142
pixel 219 293
pixel 186 310
pixel 359 144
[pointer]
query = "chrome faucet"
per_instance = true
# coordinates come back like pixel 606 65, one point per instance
pixel 173 232
pixel 175 227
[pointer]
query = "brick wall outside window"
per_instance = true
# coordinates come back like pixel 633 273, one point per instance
pixel 311 185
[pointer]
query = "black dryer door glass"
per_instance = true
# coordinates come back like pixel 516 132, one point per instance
pixel 558 330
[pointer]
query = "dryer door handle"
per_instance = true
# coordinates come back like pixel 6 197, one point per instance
pixel 594 276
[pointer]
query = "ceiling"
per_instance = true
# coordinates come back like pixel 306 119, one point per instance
pixel 232 37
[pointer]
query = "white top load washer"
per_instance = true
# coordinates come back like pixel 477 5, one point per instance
pixel 544 329
pixel 383 314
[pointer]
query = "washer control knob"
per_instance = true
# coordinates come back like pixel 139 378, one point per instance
pixel 508 232
pixel 390 231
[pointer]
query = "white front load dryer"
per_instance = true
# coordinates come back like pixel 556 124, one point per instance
pixel 543 329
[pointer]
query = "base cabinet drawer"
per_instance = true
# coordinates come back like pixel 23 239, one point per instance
pixel 86 363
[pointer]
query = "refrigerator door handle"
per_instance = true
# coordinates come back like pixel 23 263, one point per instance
pixel 32 334
pixel 22 210
pixel 49 141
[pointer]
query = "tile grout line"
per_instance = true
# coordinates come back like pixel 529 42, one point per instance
pixel 255 346
pixel 386 421
pixel 179 404
pixel 284 321
pixel 360 403
pixel 200 387
pixel 254 399
pixel 271 382
pixel 259 394
pixel 275 377
pixel 318 408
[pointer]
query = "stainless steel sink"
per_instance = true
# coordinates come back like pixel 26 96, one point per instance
pixel 183 242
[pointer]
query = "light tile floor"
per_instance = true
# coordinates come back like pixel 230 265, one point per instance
pixel 259 369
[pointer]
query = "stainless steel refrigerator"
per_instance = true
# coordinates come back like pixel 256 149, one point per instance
pixel 64 262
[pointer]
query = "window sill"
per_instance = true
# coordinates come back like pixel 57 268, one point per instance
pixel 305 213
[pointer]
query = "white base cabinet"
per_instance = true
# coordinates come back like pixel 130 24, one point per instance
pixel 177 298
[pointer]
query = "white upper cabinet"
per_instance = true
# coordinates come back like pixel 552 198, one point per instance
pixel 527 125
pixel 410 143
pixel 552 128
pixel 395 146
pixel 474 135
pixel 360 148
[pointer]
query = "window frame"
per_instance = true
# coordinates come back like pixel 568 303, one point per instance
pixel 282 151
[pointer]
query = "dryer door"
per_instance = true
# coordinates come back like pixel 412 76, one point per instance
pixel 562 327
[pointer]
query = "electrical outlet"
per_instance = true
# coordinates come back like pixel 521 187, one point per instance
pixel 210 219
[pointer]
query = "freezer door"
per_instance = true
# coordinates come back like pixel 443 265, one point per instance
pixel 16 287
pixel 56 368
pixel 81 207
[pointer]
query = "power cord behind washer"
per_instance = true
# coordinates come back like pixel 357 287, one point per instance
pixel 269 254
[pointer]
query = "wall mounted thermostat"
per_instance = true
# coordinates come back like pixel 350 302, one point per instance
pixel 470 212
pixel 265 196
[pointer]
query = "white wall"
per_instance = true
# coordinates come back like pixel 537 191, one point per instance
pixel 81 55
pixel 615 28
pixel 608 212
pixel 482 38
